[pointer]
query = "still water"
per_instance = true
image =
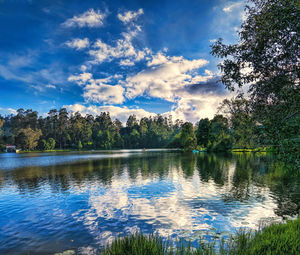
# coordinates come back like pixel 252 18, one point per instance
pixel 53 202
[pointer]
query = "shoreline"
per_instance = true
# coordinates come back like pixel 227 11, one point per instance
pixel 234 150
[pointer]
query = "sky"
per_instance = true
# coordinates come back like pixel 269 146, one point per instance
pixel 143 57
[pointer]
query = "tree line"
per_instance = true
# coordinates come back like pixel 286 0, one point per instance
pixel 233 126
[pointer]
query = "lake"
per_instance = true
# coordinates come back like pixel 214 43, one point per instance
pixel 52 202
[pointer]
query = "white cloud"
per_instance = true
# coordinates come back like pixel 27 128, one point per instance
pixel 193 108
pixel 50 86
pixel 90 18
pixel 7 111
pixel 97 90
pixel 158 59
pixel 232 6
pixel 165 77
pixel 126 62
pixel 129 16
pixel 78 44
pixel 100 92
pixel 121 113
pixel 123 49
pixel 81 78
pixel 169 78
pixel 83 68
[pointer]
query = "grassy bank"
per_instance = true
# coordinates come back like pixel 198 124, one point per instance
pixel 273 240
pixel 37 151
pixel 257 149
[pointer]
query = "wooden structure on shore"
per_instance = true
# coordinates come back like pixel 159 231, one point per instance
pixel 10 148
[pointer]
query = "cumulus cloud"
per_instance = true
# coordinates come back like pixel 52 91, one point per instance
pixel 123 49
pixel 129 16
pixel 164 78
pixel 177 80
pixel 78 44
pixel 121 113
pixel 158 59
pixel 126 62
pixel 194 107
pixel 81 78
pixel 90 18
pixel 98 90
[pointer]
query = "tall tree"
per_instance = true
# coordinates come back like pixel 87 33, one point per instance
pixel 63 125
pixel 188 139
pixel 219 136
pixel 267 58
pixel 241 121
pixel 1 124
pixel 28 138
pixel 203 132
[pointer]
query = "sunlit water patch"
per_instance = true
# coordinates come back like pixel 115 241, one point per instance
pixel 82 201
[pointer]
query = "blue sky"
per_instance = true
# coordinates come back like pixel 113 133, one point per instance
pixel 126 57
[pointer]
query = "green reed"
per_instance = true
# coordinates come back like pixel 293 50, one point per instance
pixel 275 239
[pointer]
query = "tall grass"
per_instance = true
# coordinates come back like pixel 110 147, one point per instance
pixel 275 239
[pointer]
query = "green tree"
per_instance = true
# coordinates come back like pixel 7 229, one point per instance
pixel 51 143
pixel 188 139
pixel 203 132
pixel 219 136
pixel 28 138
pixel 241 121
pixel 43 145
pixel 1 124
pixel 79 146
pixel 134 138
pixel 62 126
pixel 266 58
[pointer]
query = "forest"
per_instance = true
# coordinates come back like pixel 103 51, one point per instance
pixel 233 127
pixel 63 130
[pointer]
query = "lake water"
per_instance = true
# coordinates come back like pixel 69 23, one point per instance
pixel 53 202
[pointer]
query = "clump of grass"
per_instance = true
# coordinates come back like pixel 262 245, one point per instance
pixel 139 244
pixel 275 239
pixel 272 240
pixel 136 244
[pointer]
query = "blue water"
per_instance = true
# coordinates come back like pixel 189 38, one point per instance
pixel 54 202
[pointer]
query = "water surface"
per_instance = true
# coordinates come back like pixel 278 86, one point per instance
pixel 53 202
